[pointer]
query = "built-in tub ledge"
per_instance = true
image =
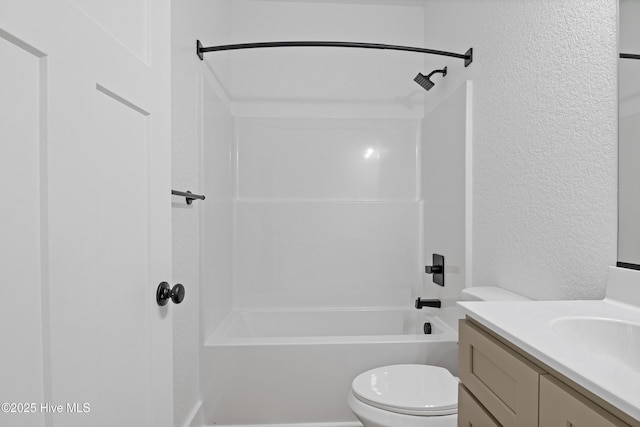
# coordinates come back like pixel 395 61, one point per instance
pixel 330 325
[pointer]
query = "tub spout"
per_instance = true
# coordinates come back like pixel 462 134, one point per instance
pixel 436 303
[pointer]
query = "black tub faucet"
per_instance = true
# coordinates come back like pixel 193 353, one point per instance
pixel 436 303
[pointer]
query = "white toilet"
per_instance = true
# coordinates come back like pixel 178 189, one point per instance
pixel 414 395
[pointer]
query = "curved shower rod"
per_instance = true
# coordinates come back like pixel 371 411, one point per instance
pixel 200 50
pixel 629 56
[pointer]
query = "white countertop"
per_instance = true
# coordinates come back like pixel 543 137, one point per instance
pixel 528 325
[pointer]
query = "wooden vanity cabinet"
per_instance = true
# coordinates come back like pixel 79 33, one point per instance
pixel 471 412
pixel 561 406
pixel 505 387
pixel 504 382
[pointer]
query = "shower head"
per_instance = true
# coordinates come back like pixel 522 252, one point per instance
pixel 425 81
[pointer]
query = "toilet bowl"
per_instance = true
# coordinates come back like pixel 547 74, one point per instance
pixel 414 395
pixel 405 396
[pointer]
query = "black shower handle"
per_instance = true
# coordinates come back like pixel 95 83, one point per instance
pixel 433 269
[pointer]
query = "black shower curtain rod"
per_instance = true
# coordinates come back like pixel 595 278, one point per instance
pixel 467 56
pixel 629 56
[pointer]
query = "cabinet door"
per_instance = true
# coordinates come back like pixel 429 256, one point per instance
pixel 471 413
pixel 560 406
pixel 503 382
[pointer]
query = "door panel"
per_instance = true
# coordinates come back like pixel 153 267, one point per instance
pixel 22 269
pixel 121 145
pixel 130 28
pixel 91 155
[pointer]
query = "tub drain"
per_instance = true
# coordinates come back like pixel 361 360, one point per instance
pixel 427 328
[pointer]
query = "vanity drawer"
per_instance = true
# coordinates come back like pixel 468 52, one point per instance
pixel 561 406
pixel 471 413
pixel 501 380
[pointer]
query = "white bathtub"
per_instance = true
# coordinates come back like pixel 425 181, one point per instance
pixel 295 367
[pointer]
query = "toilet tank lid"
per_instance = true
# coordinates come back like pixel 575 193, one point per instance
pixel 490 293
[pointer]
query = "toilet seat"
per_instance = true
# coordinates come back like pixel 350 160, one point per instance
pixel 421 390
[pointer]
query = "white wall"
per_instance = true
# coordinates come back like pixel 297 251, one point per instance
pixel 201 162
pixel 544 138
pixel 326 82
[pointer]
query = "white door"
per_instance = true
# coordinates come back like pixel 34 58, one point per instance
pixel 84 213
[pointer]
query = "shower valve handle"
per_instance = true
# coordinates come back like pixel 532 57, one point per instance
pixel 433 269
pixel 436 269
pixel 165 292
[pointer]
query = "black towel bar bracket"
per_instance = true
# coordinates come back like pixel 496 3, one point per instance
pixel 188 195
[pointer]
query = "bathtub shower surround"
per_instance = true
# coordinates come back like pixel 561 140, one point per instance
pixel 296 365
pixel 328 229
pixel 327 266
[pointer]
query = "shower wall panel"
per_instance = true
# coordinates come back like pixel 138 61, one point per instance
pixel 327 159
pixel 328 213
pixel 326 254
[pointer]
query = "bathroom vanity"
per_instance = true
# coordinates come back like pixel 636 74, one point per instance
pixel 503 386
pixel 551 364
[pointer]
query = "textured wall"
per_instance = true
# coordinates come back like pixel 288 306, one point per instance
pixel 185 224
pixel 191 20
pixel 544 73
